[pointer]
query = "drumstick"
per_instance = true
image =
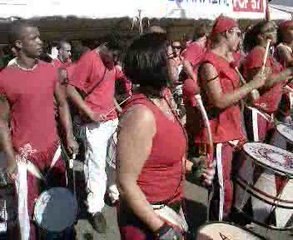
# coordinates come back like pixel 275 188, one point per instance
pixel 266 56
pixel 254 93
pixel 119 104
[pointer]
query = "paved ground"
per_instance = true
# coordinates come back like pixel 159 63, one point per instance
pixel 195 208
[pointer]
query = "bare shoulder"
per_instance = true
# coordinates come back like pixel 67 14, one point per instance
pixel 137 115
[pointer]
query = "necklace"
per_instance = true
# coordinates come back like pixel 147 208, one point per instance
pixel 26 69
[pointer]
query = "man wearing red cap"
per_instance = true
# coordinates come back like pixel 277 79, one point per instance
pixel 221 92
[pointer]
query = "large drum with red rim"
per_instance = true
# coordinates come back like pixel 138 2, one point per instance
pixel 222 230
pixel 264 185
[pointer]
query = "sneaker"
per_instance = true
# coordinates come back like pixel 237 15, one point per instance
pixel 98 222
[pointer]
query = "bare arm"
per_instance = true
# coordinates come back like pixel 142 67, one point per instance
pixel 65 118
pixel 133 148
pixel 78 101
pixel 285 55
pixel 211 82
pixel 188 69
pixel 5 138
pixel 273 79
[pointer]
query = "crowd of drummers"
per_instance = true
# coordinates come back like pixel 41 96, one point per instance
pixel 157 112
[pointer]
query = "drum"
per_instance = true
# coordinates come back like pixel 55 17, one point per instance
pixel 55 210
pixel 264 185
pixel 283 136
pixel 222 230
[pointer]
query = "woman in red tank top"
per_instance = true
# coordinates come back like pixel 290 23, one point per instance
pixel 151 146
pixel 259 115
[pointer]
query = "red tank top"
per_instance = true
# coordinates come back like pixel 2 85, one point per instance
pixel 269 98
pixel 161 178
pixel 226 123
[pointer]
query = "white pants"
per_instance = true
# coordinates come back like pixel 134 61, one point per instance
pixel 98 136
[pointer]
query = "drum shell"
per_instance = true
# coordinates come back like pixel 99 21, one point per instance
pixel 283 137
pixel 222 230
pixel 262 193
pixel 49 214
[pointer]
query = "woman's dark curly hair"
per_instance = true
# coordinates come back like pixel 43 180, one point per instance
pixel 250 39
pixel 146 62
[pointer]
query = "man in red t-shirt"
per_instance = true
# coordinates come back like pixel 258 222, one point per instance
pixel 195 51
pixel 27 122
pixel 64 55
pixel 91 89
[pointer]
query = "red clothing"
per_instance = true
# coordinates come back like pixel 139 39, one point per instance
pixel 90 71
pixel 194 53
pixel 269 99
pixel 31 98
pixel 225 123
pixel 59 64
pixel 161 178
pixel 55 178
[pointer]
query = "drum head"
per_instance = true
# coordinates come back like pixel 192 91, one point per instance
pixel 221 230
pixel 286 131
pixel 270 156
pixel 55 209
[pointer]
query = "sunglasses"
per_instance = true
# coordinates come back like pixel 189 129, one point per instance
pixel 269 30
pixel 237 32
pixel 176 47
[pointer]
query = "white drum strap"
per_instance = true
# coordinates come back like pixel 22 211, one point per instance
pixel 255 125
pixel 291 99
pixel 219 147
pixel 22 192
pixel 56 156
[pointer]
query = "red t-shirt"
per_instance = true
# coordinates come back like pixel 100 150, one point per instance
pixel 269 98
pixel 161 178
pixel 31 98
pixel 225 123
pixel 58 64
pixel 90 71
pixel 194 53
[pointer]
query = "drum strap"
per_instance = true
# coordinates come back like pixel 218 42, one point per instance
pixel 255 112
pixel 219 147
pixel 22 192
pixel 21 183
pixel 266 116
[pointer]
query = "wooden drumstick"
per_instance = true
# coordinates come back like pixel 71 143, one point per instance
pixel 254 93
pixel 266 56
pixel 119 104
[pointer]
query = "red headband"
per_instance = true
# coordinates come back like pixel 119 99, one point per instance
pixel 223 24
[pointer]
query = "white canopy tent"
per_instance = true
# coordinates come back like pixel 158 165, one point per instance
pixel 283 5
pixel 95 9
